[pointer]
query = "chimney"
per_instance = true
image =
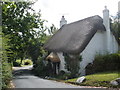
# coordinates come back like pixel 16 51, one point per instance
pixel 62 21
pixel 119 11
pixel 106 22
pixel 119 6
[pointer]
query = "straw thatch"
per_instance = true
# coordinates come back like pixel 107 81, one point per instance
pixel 53 57
pixel 74 37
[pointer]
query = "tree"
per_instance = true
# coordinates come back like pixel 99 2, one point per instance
pixel 115 27
pixel 26 31
pixel 52 30
pixel 20 22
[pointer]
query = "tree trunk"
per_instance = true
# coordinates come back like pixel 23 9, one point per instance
pixel 21 60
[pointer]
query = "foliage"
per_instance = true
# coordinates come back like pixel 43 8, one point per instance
pixel 63 75
pixel 72 64
pixel 24 62
pixel 16 64
pixel 40 69
pixel 6 65
pixel 98 79
pixel 27 62
pixel 52 30
pixel 115 27
pixel 109 62
pixel 26 30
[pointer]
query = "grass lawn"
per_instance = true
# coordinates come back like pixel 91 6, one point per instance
pixel 98 79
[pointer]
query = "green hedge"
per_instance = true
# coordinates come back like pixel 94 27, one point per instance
pixel 5 64
pixel 109 62
pixel 6 74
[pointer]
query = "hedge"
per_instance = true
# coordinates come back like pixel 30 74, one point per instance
pixel 101 63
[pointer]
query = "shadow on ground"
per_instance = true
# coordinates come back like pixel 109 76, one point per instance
pixel 22 72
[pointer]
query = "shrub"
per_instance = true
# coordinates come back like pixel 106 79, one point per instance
pixel 64 75
pixel 27 62
pixel 6 74
pixel 109 62
pixel 40 69
pixel 72 64
pixel 16 64
pixel 5 65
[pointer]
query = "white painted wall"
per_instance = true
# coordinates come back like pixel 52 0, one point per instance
pixel 62 61
pixel 97 45
pixel 114 44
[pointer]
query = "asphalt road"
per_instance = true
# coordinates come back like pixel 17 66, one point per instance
pixel 24 79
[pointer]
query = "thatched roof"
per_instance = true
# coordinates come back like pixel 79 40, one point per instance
pixel 53 57
pixel 73 38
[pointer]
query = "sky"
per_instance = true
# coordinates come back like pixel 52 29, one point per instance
pixel 73 10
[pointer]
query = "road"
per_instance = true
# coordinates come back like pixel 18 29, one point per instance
pixel 24 79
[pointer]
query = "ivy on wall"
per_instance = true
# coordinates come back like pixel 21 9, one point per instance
pixel 73 64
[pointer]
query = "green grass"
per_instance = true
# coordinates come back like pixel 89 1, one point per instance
pixel 98 79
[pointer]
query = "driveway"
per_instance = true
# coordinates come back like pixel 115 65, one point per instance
pixel 24 79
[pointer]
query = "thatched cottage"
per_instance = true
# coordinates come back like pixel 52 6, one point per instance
pixel 86 37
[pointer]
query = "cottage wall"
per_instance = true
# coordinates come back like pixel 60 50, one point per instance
pixel 96 46
pixel 62 61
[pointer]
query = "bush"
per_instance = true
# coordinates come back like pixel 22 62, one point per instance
pixel 40 69
pixel 5 65
pixel 27 62
pixel 109 62
pixel 6 74
pixel 73 64
pixel 64 75
pixel 16 64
